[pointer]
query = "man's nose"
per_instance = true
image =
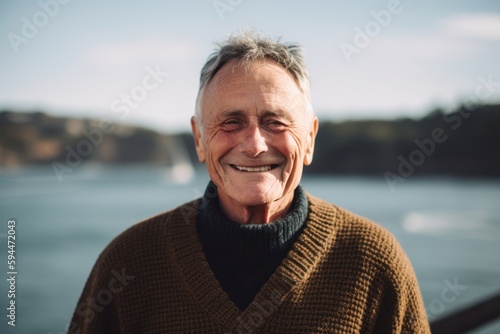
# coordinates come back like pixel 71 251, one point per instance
pixel 254 142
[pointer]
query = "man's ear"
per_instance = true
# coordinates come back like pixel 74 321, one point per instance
pixel 197 140
pixel 308 157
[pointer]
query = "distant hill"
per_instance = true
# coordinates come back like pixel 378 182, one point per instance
pixel 37 138
pixel 461 143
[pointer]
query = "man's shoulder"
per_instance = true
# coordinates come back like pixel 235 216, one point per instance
pixel 356 233
pixel 151 233
pixel 345 221
pixel 367 257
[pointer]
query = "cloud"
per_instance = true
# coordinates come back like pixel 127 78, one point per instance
pixel 478 25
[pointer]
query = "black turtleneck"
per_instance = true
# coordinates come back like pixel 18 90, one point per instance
pixel 244 256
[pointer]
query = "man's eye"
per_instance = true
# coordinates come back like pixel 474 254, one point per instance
pixel 275 125
pixel 232 125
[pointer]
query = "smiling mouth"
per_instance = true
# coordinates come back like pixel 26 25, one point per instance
pixel 254 169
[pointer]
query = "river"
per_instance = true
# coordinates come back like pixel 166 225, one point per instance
pixel 450 229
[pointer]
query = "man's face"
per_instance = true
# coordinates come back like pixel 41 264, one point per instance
pixel 256 133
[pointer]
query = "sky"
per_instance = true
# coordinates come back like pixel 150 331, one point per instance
pixel 139 61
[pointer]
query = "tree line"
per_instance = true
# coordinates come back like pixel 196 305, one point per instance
pixel 459 143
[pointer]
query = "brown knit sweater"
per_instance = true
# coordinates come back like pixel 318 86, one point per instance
pixel 344 274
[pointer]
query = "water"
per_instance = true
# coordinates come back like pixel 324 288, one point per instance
pixel 449 228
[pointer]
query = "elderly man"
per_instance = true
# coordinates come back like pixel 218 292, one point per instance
pixel 257 253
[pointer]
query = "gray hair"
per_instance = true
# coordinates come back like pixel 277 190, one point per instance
pixel 248 47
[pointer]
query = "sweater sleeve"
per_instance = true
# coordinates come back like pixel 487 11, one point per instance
pixel 96 311
pixel 401 308
pixel 107 291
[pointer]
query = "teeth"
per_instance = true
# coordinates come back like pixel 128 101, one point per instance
pixel 253 169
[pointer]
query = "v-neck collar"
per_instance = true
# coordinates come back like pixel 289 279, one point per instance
pixel 295 268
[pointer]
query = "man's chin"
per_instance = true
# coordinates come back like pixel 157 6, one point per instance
pixel 256 194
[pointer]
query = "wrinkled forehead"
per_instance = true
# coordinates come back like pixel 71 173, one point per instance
pixel 263 76
pixel 265 71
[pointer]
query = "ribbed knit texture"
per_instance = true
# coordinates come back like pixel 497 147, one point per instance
pixel 244 256
pixel 344 274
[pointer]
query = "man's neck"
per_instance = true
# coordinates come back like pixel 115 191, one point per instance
pixel 259 214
